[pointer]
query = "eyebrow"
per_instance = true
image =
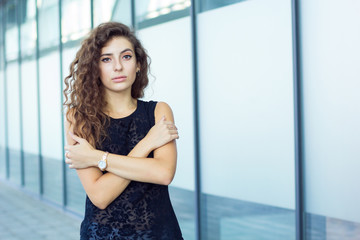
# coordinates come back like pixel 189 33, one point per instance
pixel 109 54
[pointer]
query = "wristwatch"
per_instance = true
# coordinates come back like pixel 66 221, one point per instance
pixel 102 164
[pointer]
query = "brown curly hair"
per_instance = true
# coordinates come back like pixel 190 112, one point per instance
pixel 84 92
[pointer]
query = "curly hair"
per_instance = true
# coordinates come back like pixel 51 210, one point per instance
pixel 84 91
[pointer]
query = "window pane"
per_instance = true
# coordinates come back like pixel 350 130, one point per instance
pixel 246 121
pixel 75 20
pixel 331 118
pixel 29 95
pixel 13 114
pixel 74 191
pixel 30 125
pixel 2 127
pixel 2 103
pixel 50 118
pixel 103 10
pixel 48 24
pixel 152 12
pixel 50 99
pixel 11 35
pixel 28 28
pixel 206 5
pixel 169 46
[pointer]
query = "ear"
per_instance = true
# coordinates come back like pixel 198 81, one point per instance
pixel 137 67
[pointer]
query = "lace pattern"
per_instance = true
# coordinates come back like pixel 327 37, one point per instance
pixel 143 211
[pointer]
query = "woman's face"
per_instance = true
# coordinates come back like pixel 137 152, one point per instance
pixel 118 65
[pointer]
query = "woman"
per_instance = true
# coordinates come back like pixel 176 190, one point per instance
pixel 122 148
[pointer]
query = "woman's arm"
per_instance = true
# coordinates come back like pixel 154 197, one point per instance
pixel 159 170
pixel 102 189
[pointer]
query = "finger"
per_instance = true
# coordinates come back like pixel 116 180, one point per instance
pixel 67 161
pixel 67 147
pixel 175 136
pixel 76 138
pixel 172 132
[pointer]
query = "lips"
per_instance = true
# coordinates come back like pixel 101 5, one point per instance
pixel 119 79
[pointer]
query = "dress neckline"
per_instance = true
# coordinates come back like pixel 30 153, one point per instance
pixel 138 102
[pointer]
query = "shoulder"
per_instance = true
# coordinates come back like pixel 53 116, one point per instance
pixel 163 109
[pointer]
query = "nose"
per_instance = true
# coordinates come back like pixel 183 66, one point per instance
pixel 117 65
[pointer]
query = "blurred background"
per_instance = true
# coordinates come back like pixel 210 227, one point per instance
pixel 265 94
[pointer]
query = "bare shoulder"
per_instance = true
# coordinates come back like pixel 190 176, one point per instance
pixel 163 109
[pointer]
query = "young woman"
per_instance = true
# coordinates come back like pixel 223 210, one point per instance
pixel 122 148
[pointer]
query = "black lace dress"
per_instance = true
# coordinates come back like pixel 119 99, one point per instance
pixel 143 211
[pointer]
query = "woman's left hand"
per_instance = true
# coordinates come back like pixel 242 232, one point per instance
pixel 81 154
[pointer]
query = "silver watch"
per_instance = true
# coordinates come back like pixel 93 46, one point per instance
pixel 102 164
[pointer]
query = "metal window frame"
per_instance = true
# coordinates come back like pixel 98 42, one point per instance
pixel 195 75
pixel 298 122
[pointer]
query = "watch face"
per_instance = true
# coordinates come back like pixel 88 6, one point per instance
pixel 102 164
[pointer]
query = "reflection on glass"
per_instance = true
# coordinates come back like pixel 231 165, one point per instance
pixel 247 166
pixel 75 20
pixel 11 34
pixel 151 12
pixel 13 115
pixel 206 5
pixel 48 24
pixel 30 125
pixel 50 118
pixel 74 191
pixel 122 12
pixel 28 27
pixel 2 126
pixel 103 10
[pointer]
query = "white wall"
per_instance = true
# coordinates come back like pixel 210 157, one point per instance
pixel 331 83
pixel 169 46
pixel 246 102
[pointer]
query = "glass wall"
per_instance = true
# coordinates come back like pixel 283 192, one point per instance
pixel 13 95
pixel 112 10
pixel 246 121
pixel 30 111
pixel 331 99
pixel 2 99
pixel 50 99
pixel 231 93
pixel 74 11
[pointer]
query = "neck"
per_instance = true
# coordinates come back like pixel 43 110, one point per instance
pixel 119 103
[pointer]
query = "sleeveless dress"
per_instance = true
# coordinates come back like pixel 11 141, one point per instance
pixel 143 211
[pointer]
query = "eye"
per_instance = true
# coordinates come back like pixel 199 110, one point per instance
pixel 127 57
pixel 105 59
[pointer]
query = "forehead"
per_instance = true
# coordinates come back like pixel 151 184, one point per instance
pixel 117 44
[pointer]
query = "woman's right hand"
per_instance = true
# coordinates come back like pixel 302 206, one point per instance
pixel 162 133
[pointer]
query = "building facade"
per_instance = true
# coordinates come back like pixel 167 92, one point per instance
pixel 264 93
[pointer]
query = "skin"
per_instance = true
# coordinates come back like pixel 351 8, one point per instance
pixel 118 59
